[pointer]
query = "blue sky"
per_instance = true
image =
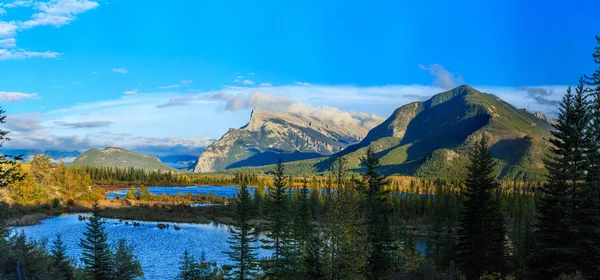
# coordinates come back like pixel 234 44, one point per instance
pixel 76 74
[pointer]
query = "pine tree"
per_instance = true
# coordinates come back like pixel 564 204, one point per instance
pixel 278 222
pixel 242 252
pixel 554 250
pixel 206 270
pixel 188 269
pixel 594 158
pixel 377 218
pixel 481 232
pixel 62 265
pixel 97 257
pixel 585 231
pixel 127 266
pixel 346 234
pixel 9 165
pixel 313 260
pixel 305 227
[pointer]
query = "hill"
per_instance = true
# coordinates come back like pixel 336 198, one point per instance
pixel 121 158
pixel 269 136
pixel 432 138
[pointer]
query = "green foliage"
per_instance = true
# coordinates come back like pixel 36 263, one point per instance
pixel 345 234
pixel 554 249
pixel 97 256
pixel 481 234
pixel 242 252
pixel 127 266
pixel 63 266
pixel 278 226
pixel 378 216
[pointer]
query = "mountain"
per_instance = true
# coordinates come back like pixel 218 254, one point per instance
pixel 432 138
pixel 180 161
pixel 57 156
pixel 121 158
pixel 269 136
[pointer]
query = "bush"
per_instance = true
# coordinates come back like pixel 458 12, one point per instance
pixel 55 203
pixel 70 202
pixel 573 276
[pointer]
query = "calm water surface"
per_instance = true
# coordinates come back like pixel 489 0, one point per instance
pixel 158 250
pixel 223 191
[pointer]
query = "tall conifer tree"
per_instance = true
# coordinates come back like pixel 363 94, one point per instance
pixel 63 268
pixel 97 257
pixel 377 218
pixel 555 252
pixel 481 232
pixel 278 226
pixel 242 251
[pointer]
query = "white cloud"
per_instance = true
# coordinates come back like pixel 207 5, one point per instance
pixel 130 92
pixel 237 80
pixel 120 70
pixel 11 96
pixel 6 54
pixel 19 3
pixel 58 12
pixel 251 74
pixel 169 87
pixel 267 84
pixel 442 77
pixel 239 77
pixel 271 102
pixel 90 124
pixel 67 7
pixel 8 43
pixel 55 13
pixel 186 82
pixel 8 29
pixel 248 82
pixel 302 83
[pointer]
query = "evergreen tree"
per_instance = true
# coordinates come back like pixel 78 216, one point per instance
pixel 594 164
pixel 304 221
pixel 127 266
pixel 62 265
pixel 242 252
pixel 481 232
pixel 377 218
pixel 313 260
pixel 206 270
pixel 555 250
pixel 9 165
pixel 277 227
pixel 188 269
pixel 585 231
pixel 97 257
pixel 346 234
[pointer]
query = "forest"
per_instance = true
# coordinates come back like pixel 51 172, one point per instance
pixel 345 225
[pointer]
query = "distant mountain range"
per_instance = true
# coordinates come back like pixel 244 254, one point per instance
pixel 425 139
pixel 121 158
pixel 432 138
pixel 269 136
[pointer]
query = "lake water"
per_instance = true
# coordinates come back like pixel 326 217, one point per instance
pixel 158 250
pixel 222 191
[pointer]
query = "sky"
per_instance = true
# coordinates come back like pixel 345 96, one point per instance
pixel 170 77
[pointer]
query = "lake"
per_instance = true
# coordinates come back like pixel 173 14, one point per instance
pixel 222 191
pixel 159 250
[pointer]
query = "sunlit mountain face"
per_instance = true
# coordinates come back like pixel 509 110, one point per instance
pixel 299 139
